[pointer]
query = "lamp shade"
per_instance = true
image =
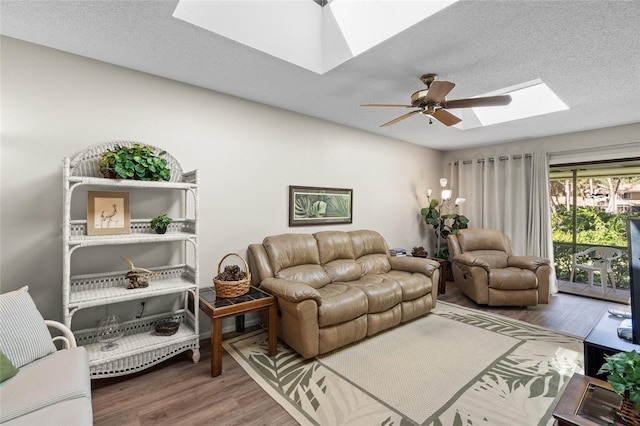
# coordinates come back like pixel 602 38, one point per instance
pixel 446 194
pixel 460 201
pixel 428 192
pixel 443 182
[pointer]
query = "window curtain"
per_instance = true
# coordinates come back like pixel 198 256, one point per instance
pixel 510 194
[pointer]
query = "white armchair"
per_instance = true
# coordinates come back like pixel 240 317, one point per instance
pixel 596 259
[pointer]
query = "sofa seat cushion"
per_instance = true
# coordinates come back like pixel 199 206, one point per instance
pixel 61 376
pixel 340 303
pixel 71 412
pixel 382 294
pixel 413 285
pixel 512 279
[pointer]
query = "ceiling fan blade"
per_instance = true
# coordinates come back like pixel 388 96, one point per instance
pixel 478 102
pixel 402 117
pixel 445 117
pixel 387 105
pixel 438 90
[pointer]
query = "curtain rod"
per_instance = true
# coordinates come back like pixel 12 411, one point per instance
pixel 492 159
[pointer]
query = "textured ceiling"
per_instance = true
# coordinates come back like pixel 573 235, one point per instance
pixel 587 52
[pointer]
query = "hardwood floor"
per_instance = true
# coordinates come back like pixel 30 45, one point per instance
pixel 178 392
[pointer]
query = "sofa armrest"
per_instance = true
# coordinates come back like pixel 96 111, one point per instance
pixel 470 261
pixel 291 291
pixel 527 262
pixel 414 264
pixel 67 338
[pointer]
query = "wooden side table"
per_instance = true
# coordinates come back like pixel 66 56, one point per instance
pixel 587 401
pixel 218 308
pixel 442 283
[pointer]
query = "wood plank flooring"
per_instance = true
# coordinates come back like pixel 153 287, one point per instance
pixel 178 392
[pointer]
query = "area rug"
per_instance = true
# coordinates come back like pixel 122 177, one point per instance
pixel 455 366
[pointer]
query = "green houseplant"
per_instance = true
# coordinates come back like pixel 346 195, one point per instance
pixel 160 223
pixel 443 225
pixel 623 369
pixel 137 162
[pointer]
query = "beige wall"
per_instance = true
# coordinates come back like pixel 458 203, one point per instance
pixel 55 104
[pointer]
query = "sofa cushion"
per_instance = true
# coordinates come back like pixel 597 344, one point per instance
pixel 71 412
pixel 370 251
pixel 413 285
pixel 340 303
pixel 24 336
pixel 312 275
pixel 382 294
pixel 343 270
pixel 61 376
pixel 289 250
pixel 334 245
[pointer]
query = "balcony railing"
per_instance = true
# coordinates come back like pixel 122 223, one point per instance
pixel 562 253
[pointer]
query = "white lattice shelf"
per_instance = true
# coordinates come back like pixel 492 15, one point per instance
pixel 141 347
pixel 98 297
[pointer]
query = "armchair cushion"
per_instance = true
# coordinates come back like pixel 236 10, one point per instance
pixel 24 336
pixel 512 279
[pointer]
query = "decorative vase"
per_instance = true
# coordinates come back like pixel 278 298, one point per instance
pixel 109 330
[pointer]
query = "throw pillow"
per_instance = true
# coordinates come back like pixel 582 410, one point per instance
pixel 24 336
pixel 7 370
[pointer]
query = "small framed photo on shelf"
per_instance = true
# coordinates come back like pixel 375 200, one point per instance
pixel 319 206
pixel 108 213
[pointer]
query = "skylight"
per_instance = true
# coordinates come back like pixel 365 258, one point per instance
pixel 303 33
pixel 527 100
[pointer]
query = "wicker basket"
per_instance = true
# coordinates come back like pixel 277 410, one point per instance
pixel 627 412
pixel 232 288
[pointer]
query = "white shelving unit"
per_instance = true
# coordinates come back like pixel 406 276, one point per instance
pixel 140 347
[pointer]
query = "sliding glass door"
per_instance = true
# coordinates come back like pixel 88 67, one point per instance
pixel 590 203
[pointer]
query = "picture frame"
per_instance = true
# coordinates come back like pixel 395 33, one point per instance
pixel 309 205
pixel 108 213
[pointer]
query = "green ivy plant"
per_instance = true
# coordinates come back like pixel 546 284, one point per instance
pixel 624 375
pixel 160 223
pixel 137 162
pixel 443 226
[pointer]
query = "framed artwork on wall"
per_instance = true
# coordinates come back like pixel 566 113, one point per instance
pixel 310 205
pixel 108 213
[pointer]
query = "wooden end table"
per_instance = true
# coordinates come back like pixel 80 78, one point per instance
pixel 218 308
pixel 442 282
pixel 587 401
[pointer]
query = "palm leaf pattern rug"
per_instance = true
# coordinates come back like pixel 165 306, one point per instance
pixel 455 366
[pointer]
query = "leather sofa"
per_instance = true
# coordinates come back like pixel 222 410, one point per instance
pixel 485 269
pixel 334 288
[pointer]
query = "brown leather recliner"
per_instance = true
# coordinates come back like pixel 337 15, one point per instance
pixel 485 269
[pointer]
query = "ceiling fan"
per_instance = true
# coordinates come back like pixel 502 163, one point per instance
pixel 432 102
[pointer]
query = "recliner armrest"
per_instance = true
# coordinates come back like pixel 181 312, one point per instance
pixel 414 264
pixel 527 262
pixel 291 291
pixel 469 260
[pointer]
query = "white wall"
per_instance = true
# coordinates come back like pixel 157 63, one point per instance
pixel 56 104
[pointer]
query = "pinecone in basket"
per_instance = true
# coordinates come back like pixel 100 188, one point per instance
pixel 231 273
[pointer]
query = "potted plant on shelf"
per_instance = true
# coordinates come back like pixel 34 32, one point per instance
pixel 623 369
pixel 139 162
pixel 160 223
